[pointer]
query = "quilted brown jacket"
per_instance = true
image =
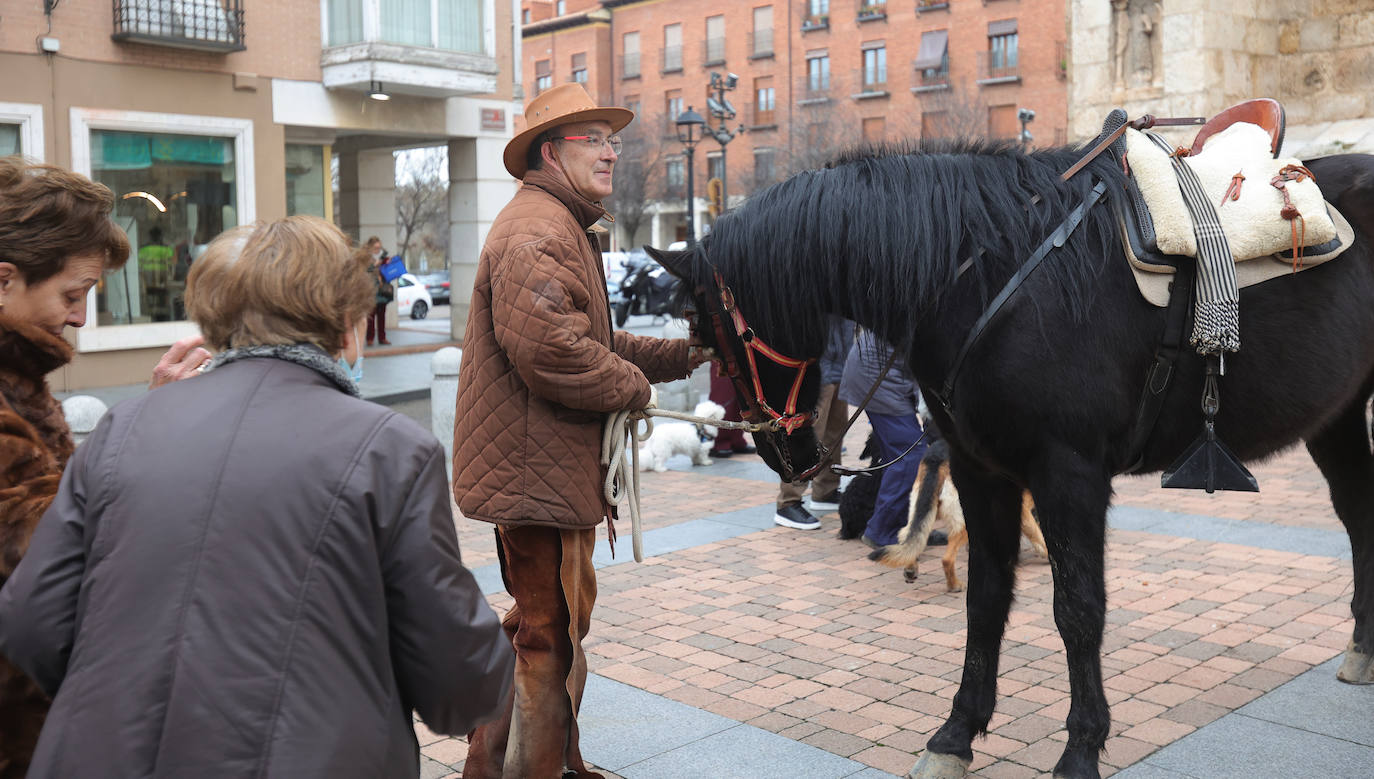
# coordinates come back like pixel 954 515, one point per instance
pixel 542 365
pixel 35 444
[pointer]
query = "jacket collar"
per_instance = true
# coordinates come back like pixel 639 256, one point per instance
pixel 29 351
pixel 583 210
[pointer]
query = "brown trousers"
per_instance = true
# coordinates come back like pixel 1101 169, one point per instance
pixel 549 573
pixel 831 415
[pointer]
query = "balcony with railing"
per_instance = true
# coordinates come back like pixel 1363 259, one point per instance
pixel 204 25
pixel 815 15
pixel 930 79
pixel 922 6
pixel 762 118
pixel 996 67
pixel 761 43
pixel 872 10
pixel 672 59
pixel 713 51
pixel 428 48
pixel 812 90
pixel 629 65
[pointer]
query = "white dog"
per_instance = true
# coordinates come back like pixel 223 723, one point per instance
pixel 670 438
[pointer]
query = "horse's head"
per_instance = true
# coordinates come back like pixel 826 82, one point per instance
pixel 777 390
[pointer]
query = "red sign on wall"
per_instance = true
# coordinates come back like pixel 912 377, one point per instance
pixel 493 119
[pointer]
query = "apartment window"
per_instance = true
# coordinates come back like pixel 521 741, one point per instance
pixel 817 12
pixel 21 130
pixel 715 165
pixel 935 124
pixel 1002 123
pixel 872 9
pixel 672 107
pixel 1002 54
pixel 560 7
pixel 875 67
pixel 715 40
pixel 761 42
pixel 632 103
pixel 672 48
pixel 579 68
pixel 764 101
pixel 525 16
pixel 543 75
pixel 874 129
pixel 818 73
pixel 932 61
pixel 763 167
pixel 9 139
pixel 455 25
pixel 630 62
pixel 308 180
pixel 676 174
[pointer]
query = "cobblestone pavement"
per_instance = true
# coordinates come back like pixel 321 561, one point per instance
pixel 797 634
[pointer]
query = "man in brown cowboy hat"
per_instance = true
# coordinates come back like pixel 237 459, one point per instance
pixel 541 368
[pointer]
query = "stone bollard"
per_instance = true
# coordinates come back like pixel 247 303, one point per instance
pixel 82 413
pixel 443 397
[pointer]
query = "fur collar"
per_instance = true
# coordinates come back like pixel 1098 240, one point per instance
pixel 30 352
pixel 309 355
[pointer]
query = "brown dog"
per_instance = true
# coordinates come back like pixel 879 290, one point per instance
pixel 933 496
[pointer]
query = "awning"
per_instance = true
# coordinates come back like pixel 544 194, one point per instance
pixel 1001 27
pixel 932 53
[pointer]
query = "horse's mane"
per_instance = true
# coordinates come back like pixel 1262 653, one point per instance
pixel 904 217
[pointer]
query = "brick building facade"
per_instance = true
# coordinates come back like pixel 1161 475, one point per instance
pixel 812 77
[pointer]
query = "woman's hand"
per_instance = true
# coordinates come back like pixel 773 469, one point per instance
pixel 182 361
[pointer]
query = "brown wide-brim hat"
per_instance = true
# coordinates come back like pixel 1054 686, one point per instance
pixel 564 104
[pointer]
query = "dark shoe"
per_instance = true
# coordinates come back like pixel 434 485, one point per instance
pixel 937 538
pixel 746 449
pixel 384 342
pixel 870 543
pixel 369 342
pixel 721 453
pixel 829 502
pixel 794 516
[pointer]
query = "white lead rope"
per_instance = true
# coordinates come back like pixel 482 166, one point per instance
pixel 622 474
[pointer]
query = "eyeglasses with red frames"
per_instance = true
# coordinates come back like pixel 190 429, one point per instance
pixel 595 141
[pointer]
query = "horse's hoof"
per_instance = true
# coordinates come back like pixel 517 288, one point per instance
pixel 934 765
pixel 1358 667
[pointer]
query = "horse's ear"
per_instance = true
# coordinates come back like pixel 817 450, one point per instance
pixel 675 263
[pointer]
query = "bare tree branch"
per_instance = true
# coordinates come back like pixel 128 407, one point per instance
pixel 422 200
pixel 641 172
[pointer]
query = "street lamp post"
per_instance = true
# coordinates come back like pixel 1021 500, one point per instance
pixel 721 109
pixel 689 128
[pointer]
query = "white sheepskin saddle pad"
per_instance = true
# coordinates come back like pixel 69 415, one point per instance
pixel 1252 223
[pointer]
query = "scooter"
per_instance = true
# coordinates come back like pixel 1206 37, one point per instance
pixel 646 289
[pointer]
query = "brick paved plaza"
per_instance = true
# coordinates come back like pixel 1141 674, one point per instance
pixel 797 634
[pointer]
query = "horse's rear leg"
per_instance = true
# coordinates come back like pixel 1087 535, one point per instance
pixel 990 505
pixel 1071 497
pixel 1342 452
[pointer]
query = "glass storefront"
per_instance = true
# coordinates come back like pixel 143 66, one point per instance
pixel 9 139
pixel 307 180
pixel 173 194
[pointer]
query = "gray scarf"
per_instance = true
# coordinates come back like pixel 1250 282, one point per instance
pixel 309 355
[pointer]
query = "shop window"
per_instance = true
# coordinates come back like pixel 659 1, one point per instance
pixel 307 181
pixel 9 139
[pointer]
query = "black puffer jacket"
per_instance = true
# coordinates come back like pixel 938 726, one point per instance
pixel 251 573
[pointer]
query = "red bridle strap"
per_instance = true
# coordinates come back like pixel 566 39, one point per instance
pixel 790 419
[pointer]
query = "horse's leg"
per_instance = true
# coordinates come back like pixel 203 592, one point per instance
pixel 1071 497
pixel 1342 452
pixel 990 506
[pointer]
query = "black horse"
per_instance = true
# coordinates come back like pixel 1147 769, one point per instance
pixel 1047 397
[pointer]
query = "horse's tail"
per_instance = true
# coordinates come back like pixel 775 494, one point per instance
pixel 925 497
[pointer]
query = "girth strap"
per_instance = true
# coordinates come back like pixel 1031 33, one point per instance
pixel 1161 371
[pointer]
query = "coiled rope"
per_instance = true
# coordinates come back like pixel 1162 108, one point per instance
pixel 622 473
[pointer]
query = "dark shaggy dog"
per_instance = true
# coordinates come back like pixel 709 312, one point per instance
pixel 856 502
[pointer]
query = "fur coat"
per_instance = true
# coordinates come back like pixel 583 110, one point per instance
pixel 35 444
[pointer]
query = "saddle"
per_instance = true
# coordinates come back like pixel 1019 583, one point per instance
pixel 1270 210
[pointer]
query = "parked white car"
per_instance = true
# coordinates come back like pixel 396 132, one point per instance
pixel 412 299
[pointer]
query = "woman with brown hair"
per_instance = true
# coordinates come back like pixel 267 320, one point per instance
pixel 255 572
pixel 56 238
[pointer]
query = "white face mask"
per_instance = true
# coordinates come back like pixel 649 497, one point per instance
pixel 355 371
pixel 377 255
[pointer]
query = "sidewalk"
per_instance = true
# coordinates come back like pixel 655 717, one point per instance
pixel 740 649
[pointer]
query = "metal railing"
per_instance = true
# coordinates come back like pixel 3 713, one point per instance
pixel 814 15
pixel 813 89
pixel 994 66
pixel 208 25
pixel 930 78
pixel 672 58
pixel 713 51
pixel 872 9
pixel 629 65
pixel 761 43
pixel 871 79
pixel 762 118
pixel 931 5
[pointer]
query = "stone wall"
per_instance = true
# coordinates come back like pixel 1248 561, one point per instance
pixel 1184 58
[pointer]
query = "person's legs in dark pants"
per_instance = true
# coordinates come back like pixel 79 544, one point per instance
pixel 894 434
pixel 727 441
pixel 371 325
pixel 379 313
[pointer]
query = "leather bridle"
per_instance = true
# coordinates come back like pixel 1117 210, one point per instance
pixel 722 307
